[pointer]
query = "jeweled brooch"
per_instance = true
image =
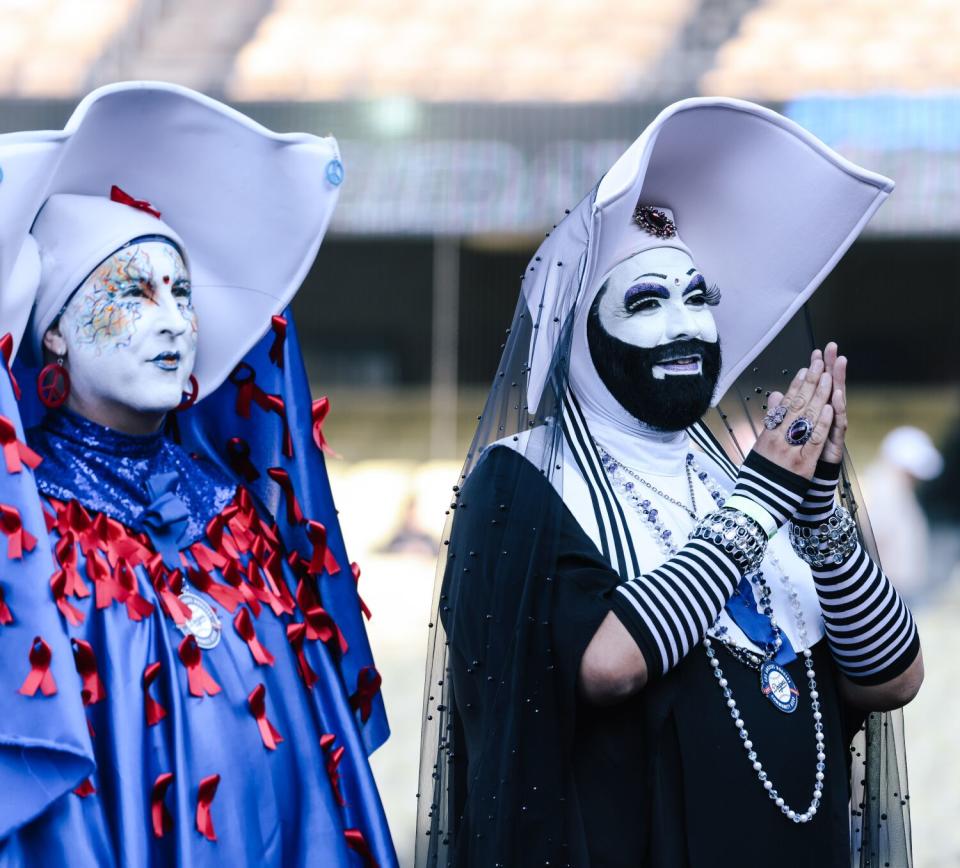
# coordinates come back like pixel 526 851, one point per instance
pixel 654 221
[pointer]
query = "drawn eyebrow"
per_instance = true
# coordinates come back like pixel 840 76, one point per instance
pixel 691 271
pixel 652 274
pixel 697 283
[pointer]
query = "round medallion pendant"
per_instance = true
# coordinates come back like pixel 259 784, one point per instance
pixel 777 685
pixel 204 625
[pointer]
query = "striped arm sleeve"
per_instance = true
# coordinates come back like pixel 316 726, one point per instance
pixel 871 632
pixel 777 490
pixel 668 610
pixel 820 498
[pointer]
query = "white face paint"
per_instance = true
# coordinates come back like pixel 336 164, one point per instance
pixel 129 335
pixel 655 298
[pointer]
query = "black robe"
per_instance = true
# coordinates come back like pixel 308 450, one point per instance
pixel 541 777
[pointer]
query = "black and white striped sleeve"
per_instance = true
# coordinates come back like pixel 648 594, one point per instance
pixel 778 490
pixel 871 632
pixel 668 610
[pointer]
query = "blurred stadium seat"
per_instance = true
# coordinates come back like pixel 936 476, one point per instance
pixel 502 50
pixel 785 49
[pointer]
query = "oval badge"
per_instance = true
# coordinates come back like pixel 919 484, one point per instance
pixel 777 685
pixel 204 625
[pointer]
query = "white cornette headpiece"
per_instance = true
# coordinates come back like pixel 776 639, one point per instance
pixel 765 208
pixel 248 207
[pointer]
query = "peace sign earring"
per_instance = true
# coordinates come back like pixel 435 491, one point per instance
pixel 53 384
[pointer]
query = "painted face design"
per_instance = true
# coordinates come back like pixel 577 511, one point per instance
pixel 131 330
pixel 656 298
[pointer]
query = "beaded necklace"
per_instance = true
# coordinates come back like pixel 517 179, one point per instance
pixel 664 538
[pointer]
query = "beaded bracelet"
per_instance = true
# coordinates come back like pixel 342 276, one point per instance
pixel 828 543
pixel 739 535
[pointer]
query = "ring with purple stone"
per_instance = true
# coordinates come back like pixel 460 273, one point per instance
pixel 774 417
pixel 799 432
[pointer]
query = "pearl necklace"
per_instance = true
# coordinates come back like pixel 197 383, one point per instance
pixel 663 537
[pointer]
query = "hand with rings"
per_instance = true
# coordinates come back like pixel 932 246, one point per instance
pixel 797 426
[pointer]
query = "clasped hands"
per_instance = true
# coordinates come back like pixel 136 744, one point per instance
pixel 817 393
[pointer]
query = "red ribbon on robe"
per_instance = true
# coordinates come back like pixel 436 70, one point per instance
pixel 159 815
pixel 118 195
pixel 355 569
pixel 105 585
pixel 243 624
pixel 323 558
pixel 296 633
pixel 19 540
pixel 279 326
pixel 207 558
pixel 85 789
pixel 205 794
pixel 318 413
pixel 238 457
pixel 199 680
pixel 368 686
pixel 357 843
pixel 235 579
pixel 257 700
pixel 225 595
pixel 178 611
pixel 320 625
pixel 243 377
pixel 222 541
pixel 58 584
pixel 15 452
pixel 274 404
pixel 40 677
pixel 153 710
pixel 333 761
pixel 93 690
pixel 138 607
pixel 260 590
pixel 6 349
pixel 282 478
pixel 66 552
pixel 6 616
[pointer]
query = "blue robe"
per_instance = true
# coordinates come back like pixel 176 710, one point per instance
pixel 84 771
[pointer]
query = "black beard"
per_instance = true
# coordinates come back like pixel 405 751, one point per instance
pixel 670 404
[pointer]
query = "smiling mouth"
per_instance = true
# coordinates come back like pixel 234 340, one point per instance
pixel 683 365
pixel 166 361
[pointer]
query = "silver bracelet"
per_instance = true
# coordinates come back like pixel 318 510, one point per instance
pixel 828 543
pixel 739 535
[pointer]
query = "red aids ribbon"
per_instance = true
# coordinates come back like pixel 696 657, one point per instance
pixel 235 579
pixel 178 611
pixel 205 794
pixel 71 614
pixel 206 558
pixel 6 350
pixel 107 588
pixel 321 406
pixel 323 558
pixel 355 569
pixel 244 377
pixel 159 815
pixel 138 607
pixel 226 596
pixel 279 326
pixel 333 760
pixel 199 680
pixel 274 404
pixel 368 685
pixel 243 624
pixel 93 690
pixel 85 789
pixel 66 552
pixel 320 625
pixel 282 478
pixel 19 540
pixel 153 710
pixel 238 457
pixel 15 452
pixel 40 676
pixel 117 195
pixel 296 633
pixel 257 700
pixel 6 616
pixel 356 842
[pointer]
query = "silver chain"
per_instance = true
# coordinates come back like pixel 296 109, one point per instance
pixel 693 498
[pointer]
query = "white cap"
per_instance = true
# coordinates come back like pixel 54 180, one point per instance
pixel 75 234
pixel 912 450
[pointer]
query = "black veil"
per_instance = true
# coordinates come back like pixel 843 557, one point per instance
pixel 477 810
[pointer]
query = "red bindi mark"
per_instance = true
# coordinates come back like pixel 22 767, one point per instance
pixel 166 278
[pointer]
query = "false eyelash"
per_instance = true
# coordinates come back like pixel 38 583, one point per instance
pixel 712 296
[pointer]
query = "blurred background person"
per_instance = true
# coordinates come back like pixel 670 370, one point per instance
pixel 907 457
pixel 465 130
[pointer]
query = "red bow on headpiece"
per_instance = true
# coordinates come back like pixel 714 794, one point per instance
pixel 117 195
